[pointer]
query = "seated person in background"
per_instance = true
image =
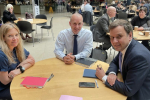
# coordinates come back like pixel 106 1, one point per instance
pixel 113 2
pixel 82 46
pixel 132 61
pixel 82 6
pixel 119 7
pixel 143 22
pixel 88 7
pixel 14 59
pixel 133 8
pixel 9 16
pixel 144 5
pixel 102 27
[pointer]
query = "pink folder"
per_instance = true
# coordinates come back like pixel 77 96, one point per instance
pixel 34 82
pixel 68 97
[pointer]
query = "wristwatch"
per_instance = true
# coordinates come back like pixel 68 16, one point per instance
pixel 22 69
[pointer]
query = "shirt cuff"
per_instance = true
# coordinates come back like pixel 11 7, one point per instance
pixel 104 78
pixel 112 73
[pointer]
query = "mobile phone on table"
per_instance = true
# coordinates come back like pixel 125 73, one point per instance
pixel 86 84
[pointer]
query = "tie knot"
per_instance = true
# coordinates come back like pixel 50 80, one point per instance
pixel 75 35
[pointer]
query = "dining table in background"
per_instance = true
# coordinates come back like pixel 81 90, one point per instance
pixel 138 36
pixel 33 21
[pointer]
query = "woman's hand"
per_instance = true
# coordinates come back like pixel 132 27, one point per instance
pixel 14 73
pixel 140 29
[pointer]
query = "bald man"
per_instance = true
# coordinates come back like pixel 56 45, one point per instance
pixel 65 40
pixel 102 27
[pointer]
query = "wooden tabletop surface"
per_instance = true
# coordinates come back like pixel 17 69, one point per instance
pixel 65 82
pixel 138 37
pixel 34 21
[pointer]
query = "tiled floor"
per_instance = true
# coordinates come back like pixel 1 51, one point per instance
pixel 44 49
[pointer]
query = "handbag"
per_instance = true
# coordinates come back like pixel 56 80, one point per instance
pixel 28 16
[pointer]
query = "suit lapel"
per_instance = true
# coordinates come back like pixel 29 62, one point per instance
pixel 127 53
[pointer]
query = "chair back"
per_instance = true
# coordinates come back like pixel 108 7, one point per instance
pixel 122 15
pixel 41 17
pixel 51 22
pixel 101 13
pixel 24 26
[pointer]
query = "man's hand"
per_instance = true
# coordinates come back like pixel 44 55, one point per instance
pixel 100 73
pixel 71 56
pixel 68 60
pixel 111 79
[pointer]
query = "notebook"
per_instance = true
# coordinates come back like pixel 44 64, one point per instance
pixel 89 73
pixel 86 62
pixel 35 82
pixel 68 97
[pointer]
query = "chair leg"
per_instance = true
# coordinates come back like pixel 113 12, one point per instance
pixel 53 34
pixel 33 39
pixel 36 29
pixel 48 32
pixel 41 34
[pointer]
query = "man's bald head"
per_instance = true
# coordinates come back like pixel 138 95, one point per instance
pixel 76 15
pixel 111 11
pixel 76 22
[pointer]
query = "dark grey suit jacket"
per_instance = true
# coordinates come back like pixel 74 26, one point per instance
pixel 101 27
pixel 135 72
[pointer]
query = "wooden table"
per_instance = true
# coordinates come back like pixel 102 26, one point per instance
pixel 76 8
pixel 136 36
pixel 65 82
pixel 95 11
pixel 34 21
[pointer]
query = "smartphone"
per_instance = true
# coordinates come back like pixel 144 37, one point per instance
pixel 87 84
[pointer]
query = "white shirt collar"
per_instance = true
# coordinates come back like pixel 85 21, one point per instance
pixel 124 51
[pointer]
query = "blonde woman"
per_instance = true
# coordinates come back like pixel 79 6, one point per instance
pixel 14 59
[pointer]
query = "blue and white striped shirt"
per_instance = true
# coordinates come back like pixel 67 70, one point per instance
pixel 65 40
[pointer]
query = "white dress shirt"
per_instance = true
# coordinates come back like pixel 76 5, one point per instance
pixel 65 40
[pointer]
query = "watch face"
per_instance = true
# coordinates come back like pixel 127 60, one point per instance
pixel 23 68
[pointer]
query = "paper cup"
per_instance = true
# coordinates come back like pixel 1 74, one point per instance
pixel 135 28
pixel 146 33
pixel 19 18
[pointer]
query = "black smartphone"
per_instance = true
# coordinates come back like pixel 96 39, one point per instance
pixel 87 84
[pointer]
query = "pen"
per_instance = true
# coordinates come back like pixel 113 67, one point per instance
pixel 99 67
pixel 96 84
pixel 51 76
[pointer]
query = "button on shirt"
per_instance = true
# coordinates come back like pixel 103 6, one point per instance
pixel 65 41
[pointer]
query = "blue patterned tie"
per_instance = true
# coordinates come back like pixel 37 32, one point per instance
pixel 75 46
pixel 120 61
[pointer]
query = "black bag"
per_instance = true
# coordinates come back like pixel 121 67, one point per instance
pixel 99 54
pixel 28 16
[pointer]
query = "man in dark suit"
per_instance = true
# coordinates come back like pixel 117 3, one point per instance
pixel 133 61
pixel 101 27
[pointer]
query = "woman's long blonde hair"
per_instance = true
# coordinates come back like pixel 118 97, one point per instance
pixel 3 46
